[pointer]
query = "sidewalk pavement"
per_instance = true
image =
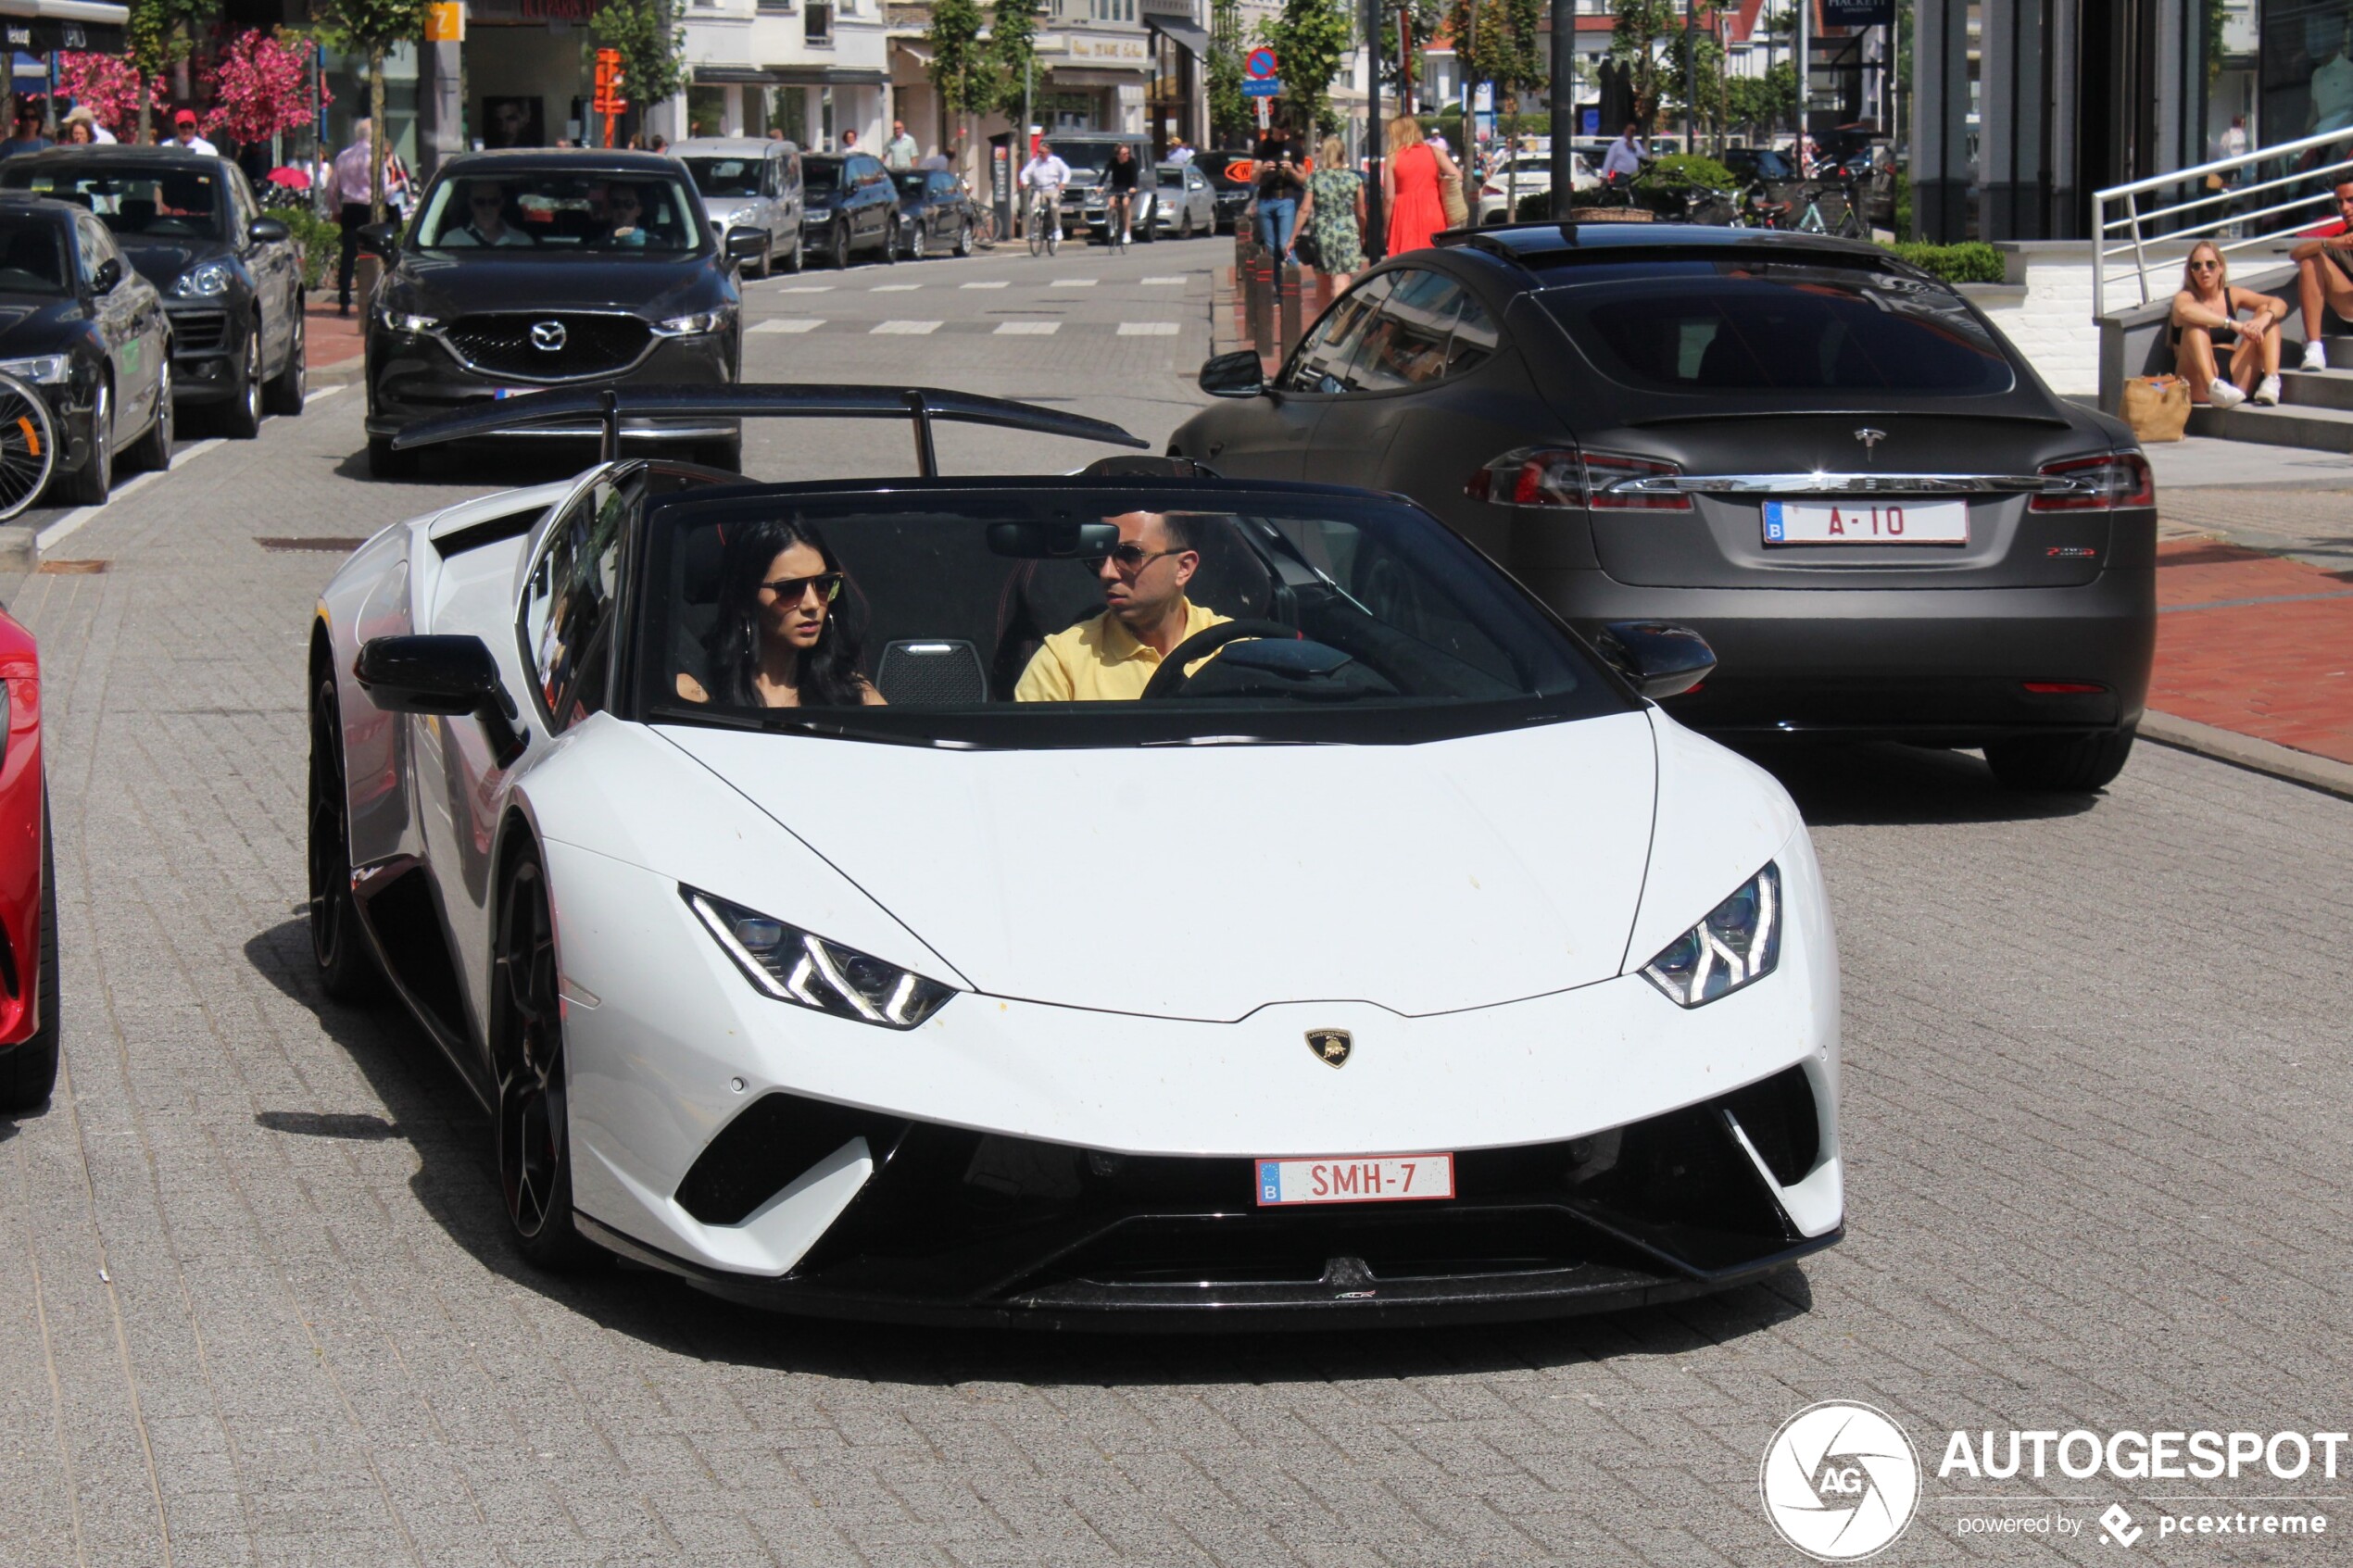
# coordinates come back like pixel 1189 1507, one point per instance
pixel 334 340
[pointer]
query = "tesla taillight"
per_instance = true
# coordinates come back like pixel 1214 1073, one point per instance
pixel 2096 484
pixel 1562 476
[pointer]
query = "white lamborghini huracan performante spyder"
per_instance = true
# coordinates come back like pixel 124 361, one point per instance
pixel 1386 957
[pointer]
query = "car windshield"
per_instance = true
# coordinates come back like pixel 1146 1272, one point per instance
pixel 1084 156
pixel 909 184
pixel 993 617
pixel 821 173
pixel 137 202
pixel 725 175
pixel 554 211
pixel 32 256
pixel 1749 324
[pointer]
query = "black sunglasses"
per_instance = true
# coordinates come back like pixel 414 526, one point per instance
pixel 792 590
pixel 1131 557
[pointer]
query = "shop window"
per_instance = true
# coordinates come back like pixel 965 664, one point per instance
pixel 817 22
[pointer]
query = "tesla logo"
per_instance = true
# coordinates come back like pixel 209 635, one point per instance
pixel 1331 1046
pixel 547 336
pixel 1870 439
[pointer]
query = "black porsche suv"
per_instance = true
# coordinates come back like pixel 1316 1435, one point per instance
pixel 530 269
pixel 230 277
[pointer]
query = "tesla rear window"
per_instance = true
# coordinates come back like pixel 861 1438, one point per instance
pixel 984 618
pixel 1748 325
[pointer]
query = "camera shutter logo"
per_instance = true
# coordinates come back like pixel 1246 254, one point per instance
pixel 1840 1481
pixel 547 336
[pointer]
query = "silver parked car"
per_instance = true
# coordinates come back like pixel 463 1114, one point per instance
pixel 1188 204
pixel 750 185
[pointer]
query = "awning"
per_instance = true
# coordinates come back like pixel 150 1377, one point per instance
pixel 735 76
pixel 828 76
pixel 1182 32
pixel 40 27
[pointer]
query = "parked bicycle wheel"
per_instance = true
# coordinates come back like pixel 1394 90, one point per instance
pixel 28 445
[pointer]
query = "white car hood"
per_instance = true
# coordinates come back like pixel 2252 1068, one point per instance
pixel 1207 882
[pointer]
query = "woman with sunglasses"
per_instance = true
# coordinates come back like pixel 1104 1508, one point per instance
pixel 778 640
pixel 2205 316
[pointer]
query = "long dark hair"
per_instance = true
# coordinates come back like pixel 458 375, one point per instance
pixel 828 671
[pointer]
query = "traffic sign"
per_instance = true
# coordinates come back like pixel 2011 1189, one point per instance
pixel 1261 64
pixel 1268 88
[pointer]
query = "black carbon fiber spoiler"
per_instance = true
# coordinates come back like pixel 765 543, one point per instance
pixel 762 400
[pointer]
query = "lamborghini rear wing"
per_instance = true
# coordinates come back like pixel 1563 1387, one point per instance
pixel 761 400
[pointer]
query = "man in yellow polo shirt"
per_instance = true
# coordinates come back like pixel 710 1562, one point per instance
pixel 1112 656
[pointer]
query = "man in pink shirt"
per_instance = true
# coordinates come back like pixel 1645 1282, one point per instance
pixel 352 183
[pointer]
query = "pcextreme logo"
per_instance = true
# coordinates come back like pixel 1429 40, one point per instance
pixel 1840 1481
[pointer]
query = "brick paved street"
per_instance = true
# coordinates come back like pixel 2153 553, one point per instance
pixel 257 1306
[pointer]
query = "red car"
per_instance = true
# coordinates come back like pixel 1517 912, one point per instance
pixel 28 890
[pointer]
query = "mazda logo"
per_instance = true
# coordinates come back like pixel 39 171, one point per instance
pixel 547 336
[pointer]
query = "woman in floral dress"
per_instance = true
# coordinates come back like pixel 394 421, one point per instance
pixel 1336 207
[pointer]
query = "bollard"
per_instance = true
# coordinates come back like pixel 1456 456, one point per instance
pixel 1289 284
pixel 1258 289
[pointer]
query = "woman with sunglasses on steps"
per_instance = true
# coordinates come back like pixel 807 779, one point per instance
pixel 779 639
pixel 2206 317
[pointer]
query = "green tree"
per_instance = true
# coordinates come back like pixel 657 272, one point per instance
pixel 1638 29
pixel 652 49
pixel 1696 71
pixel 1310 38
pixel 1012 41
pixel 373 29
pixel 160 34
pixel 965 77
pixel 1763 103
pixel 1407 27
pixel 1229 111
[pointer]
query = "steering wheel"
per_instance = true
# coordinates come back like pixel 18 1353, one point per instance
pixel 1170 677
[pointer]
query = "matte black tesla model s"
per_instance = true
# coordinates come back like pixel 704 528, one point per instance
pixel 1825 462
pixel 531 270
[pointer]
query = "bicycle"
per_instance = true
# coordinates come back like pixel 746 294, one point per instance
pixel 1046 222
pixel 28 445
pixel 1811 222
pixel 984 227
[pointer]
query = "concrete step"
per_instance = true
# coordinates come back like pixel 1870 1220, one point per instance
pixel 2316 429
pixel 2340 352
pixel 2317 389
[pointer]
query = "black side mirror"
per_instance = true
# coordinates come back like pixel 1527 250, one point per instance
pixel 379 239
pixel 745 244
pixel 1657 658
pixel 268 232
pixel 106 277
pixel 1237 374
pixel 444 675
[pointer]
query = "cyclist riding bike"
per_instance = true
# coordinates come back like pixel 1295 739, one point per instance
pixel 1119 186
pixel 1042 179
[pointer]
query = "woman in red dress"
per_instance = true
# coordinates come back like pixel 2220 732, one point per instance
pixel 1409 185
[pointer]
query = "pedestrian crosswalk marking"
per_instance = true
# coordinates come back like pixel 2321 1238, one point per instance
pixel 1026 329
pixel 1075 282
pixel 897 288
pixel 905 329
pixel 992 283
pixel 790 324
pixel 808 288
pixel 1164 283
pixel 1147 329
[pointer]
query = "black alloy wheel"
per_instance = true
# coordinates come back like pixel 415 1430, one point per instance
pixel 840 257
pixel 241 416
pixel 153 451
pixel 527 1058
pixel 890 240
pixel 915 243
pixel 799 254
pixel 88 486
pixel 290 388
pixel 348 970
pixel 29 1071
pixel 1185 224
pixel 2060 764
pixel 964 238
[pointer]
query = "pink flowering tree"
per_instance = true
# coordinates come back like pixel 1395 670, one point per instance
pixel 261 86
pixel 109 86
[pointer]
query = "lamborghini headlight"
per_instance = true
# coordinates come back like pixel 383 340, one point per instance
pixel 1738 942
pixel 793 965
pixel 45 370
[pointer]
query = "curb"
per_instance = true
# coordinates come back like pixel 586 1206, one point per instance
pixel 2321 774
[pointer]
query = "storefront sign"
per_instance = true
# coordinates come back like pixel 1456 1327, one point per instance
pixel 578 12
pixel 1085 46
pixel 1858 13
pixel 446 21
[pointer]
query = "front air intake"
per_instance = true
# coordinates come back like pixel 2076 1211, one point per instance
pixel 769 1144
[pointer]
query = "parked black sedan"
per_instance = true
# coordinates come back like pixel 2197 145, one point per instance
pixel 935 213
pixel 88 333
pixel 229 277
pixel 532 269
pixel 848 204
pixel 1825 462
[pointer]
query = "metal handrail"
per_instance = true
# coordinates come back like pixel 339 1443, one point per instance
pixel 2134 222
